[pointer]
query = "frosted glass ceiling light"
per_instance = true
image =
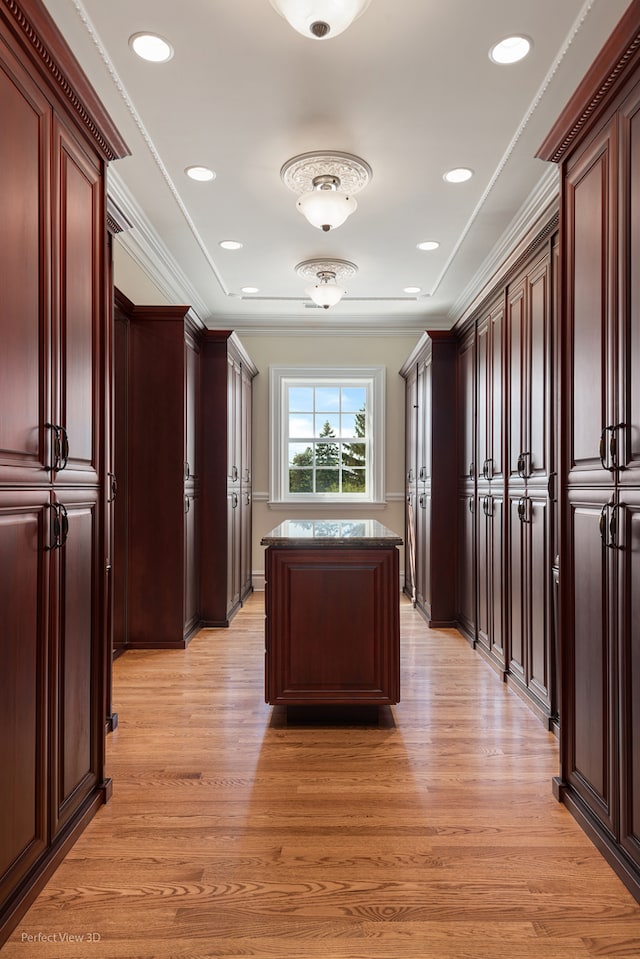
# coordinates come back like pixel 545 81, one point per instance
pixel 151 47
pixel 326 291
pixel 326 182
pixel 320 19
pixel 510 50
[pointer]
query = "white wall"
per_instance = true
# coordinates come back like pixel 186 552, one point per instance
pixel 317 349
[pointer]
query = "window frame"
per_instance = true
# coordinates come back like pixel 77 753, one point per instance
pixel 280 379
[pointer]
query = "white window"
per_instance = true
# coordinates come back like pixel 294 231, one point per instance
pixel 327 435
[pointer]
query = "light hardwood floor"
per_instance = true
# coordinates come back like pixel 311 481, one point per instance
pixel 431 834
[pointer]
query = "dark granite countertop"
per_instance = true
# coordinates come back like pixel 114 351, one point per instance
pixel 331 532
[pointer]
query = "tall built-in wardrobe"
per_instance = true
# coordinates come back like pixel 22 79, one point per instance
pixel 54 453
pixel 182 461
pixel 480 428
pixel 596 143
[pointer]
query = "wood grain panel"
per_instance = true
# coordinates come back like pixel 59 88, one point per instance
pixel 589 208
pixel 25 315
pixel 78 278
pixel 629 574
pixel 23 658
pixel 76 672
pixel 629 342
pixel 332 627
pixel 592 703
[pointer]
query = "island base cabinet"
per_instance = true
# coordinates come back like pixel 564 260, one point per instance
pixel 333 628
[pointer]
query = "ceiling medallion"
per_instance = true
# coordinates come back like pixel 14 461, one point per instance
pixel 326 183
pixel 324 274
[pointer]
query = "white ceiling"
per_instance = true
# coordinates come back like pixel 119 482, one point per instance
pixel 409 87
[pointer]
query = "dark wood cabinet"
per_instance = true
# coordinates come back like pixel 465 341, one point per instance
pixel 55 334
pixel 596 141
pixel 506 454
pixel 431 471
pixel 227 373
pixel 529 351
pixel 157 410
pixel 332 614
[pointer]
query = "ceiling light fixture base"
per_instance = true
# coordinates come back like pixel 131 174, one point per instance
pixel 312 269
pixel 300 172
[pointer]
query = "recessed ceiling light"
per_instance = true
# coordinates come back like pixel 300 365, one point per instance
pixel 200 173
pixel 230 245
pixel 250 289
pixel 412 289
pixel 459 175
pixel 510 50
pixel 428 245
pixel 151 47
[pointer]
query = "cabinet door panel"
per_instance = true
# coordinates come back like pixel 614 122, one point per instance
pixel 77 721
pixel 191 592
pixel 517 608
pixel 483 570
pixel 25 318
pixel 496 468
pixel 539 368
pixel 590 701
pixel 467 403
pixel 467 563
pixel 192 393
pixel 496 519
pixel 539 601
pixel 629 586
pixel 23 654
pixel 484 406
pixel 518 377
pixel 78 274
pixel 588 213
pixel 629 342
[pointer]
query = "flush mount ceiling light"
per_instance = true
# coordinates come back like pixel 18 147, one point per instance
pixel 324 274
pixel 151 47
pixel 327 183
pixel 510 50
pixel 428 245
pixel 459 175
pixel 200 173
pixel 320 19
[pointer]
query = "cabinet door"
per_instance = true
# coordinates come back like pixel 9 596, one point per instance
pixel 78 281
pixel 466 601
pixel 234 545
pixel 192 394
pixel 589 211
pixel 423 554
pixel 191 572
pixel 490 388
pixel 539 600
pixel 234 422
pixel 590 697
pixel 246 544
pixel 411 428
pixel 629 257
pixel 518 378
pixel 467 406
pixel 24 537
pixel 25 316
pixel 424 391
pixel 246 427
pixel 538 431
pixel 629 607
pixel 76 712
pixel 517 607
pixel 490 575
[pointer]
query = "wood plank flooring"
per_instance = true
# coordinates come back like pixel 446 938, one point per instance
pixel 431 833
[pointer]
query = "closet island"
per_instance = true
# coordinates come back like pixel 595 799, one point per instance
pixel 332 613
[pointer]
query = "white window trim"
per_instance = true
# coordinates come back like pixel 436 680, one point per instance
pixel 282 376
